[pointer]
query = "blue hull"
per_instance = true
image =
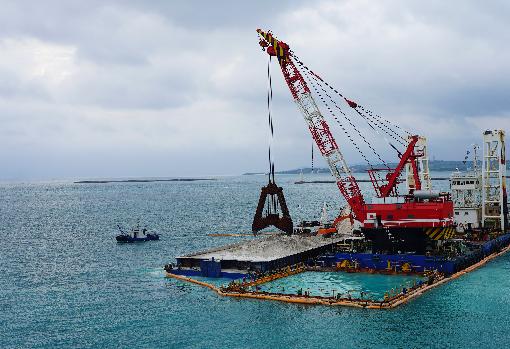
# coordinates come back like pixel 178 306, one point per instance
pixel 419 263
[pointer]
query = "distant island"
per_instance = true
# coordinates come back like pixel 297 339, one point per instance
pixel 434 165
pixel 143 180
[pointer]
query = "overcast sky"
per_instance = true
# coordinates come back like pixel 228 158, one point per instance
pixel 178 88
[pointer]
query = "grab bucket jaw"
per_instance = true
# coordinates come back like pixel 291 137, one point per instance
pixel 273 195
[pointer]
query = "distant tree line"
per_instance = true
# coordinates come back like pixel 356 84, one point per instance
pixel 434 165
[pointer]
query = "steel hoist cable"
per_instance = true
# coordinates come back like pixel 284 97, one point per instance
pixel 385 138
pixel 311 78
pixel 312 158
pixel 270 118
pixel 388 123
pixel 342 126
pixel 348 120
pixel 367 115
pixel 272 203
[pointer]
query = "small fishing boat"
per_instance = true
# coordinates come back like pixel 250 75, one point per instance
pixel 136 235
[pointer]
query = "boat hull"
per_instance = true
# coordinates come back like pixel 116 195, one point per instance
pixel 130 239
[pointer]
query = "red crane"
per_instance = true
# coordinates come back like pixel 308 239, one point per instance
pixel 401 223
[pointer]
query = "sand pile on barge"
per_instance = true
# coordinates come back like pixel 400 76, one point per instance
pixel 267 248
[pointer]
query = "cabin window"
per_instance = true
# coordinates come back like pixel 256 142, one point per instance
pixel 410 216
pixel 466 213
pixel 456 213
pixel 390 216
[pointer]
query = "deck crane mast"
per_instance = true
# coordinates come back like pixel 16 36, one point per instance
pixel 402 226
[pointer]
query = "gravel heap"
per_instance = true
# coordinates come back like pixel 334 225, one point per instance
pixel 268 248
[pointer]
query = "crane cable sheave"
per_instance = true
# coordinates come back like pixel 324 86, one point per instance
pixel 316 122
pixel 272 46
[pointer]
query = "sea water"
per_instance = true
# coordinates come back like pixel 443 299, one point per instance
pixel 331 284
pixel 66 283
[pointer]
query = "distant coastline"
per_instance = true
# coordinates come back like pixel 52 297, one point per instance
pixel 143 180
pixel 434 165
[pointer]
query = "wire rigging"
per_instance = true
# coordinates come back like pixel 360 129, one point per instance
pixel 386 121
pixel 367 115
pixel 346 118
pixel 371 118
pixel 339 122
pixel 377 131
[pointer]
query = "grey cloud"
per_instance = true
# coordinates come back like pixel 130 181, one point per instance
pixel 171 71
pixel 14 87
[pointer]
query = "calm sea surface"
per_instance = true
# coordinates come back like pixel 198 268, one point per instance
pixel 66 283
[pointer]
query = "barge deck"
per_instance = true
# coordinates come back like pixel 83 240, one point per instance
pixel 261 254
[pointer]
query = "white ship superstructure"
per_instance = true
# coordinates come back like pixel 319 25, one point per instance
pixel 467 199
pixel 479 193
